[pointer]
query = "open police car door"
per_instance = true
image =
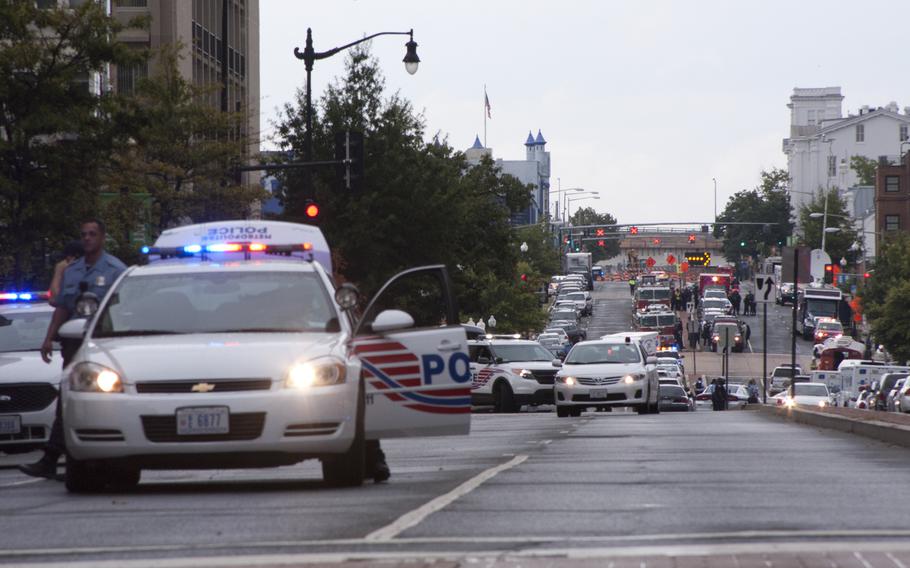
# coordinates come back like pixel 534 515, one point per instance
pixel 416 370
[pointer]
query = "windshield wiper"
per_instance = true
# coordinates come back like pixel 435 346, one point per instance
pixel 138 332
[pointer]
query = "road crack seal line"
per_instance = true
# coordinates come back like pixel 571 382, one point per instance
pixel 416 516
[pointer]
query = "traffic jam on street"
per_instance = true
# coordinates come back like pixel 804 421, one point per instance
pixel 257 310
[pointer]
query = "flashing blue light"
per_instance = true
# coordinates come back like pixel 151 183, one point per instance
pixel 25 296
pixel 145 250
pixel 192 249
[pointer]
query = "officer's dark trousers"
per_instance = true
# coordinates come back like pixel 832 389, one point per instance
pixel 56 445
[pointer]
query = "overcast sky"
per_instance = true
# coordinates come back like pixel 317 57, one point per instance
pixel 643 101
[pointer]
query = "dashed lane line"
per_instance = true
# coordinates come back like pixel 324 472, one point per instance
pixel 415 517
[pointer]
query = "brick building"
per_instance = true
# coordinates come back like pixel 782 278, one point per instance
pixel 892 198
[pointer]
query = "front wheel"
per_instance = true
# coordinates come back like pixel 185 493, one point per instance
pixel 84 476
pixel 349 469
pixel 504 398
pixel 563 411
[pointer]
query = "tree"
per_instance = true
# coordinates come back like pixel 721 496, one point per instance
pixel 53 135
pixel 178 150
pixel 864 168
pixel 838 244
pixel 588 216
pixel 892 327
pixel 768 205
pixel 422 203
pixel 891 269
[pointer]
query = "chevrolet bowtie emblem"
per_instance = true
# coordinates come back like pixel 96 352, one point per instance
pixel 203 387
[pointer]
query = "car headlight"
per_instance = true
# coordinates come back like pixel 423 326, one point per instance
pixel 629 379
pixel 317 373
pixel 823 403
pixel 523 373
pixel 92 377
pixel 789 403
pixel 569 381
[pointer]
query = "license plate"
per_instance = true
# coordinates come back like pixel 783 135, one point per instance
pixel 203 420
pixel 598 393
pixel 10 424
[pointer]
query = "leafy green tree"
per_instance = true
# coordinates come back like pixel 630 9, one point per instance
pixel 768 205
pixel 53 133
pixel 890 270
pixel 864 168
pixel 838 244
pixel 588 216
pixel 422 202
pixel 180 151
pixel 892 327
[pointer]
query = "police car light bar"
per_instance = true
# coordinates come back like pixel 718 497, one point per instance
pixel 24 296
pixel 191 250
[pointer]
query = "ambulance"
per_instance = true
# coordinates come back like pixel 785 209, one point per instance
pixel 233 348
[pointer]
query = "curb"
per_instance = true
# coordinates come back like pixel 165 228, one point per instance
pixel 881 431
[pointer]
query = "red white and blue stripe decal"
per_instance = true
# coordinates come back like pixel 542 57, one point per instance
pixel 388 365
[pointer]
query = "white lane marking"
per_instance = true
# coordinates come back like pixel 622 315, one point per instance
pixel 897 562
pixel 417 516
pixel 859 557
pixel 295 559
pixel 25 482
pixel 545 442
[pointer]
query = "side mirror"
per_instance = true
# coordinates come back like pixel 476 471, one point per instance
pixel 651 360
pixel 392 320
pixel 557 363
pixel 347 296
pixel 73 329
pixel 484 361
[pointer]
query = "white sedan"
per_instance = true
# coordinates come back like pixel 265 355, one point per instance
pixel 737 397
pixel 808 394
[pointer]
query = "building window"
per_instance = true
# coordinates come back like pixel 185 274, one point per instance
pixel 128 76
pixel 903 133
pixel 811 120
pixel 832 166
pixel 131 3
pixel 860 132
pixel 892 222
pixel 892 184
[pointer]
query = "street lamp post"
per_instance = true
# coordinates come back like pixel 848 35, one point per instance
pixel 827 191
pixel 580 199
pixel 563 191
pixel 310 56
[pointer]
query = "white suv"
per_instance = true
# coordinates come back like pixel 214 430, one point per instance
pixel 511 373
pixel 607 373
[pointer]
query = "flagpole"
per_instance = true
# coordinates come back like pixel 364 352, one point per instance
pixel 484 116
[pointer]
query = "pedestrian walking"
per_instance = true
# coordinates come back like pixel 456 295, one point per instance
pixel 95 271
pixel 677 333
pixel 692 330
pixel 735 299
pixel 632 285
pixel 753 392
pixel 719 396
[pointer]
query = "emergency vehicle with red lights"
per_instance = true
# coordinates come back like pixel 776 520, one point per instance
pixel 233 348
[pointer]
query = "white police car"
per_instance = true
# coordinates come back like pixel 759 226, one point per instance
pixel 509 372
pixel 233 348
pixel 28 385
pixel 605 373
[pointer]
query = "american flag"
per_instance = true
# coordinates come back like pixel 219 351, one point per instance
pixel 486 103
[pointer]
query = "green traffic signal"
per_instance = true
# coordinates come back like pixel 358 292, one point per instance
pixel 742 243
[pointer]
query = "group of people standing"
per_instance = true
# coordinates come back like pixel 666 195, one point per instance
pixel 745 304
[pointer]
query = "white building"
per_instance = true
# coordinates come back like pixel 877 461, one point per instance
pixel 822 140
pixel 533 170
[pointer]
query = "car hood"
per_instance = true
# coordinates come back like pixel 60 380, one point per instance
pixel 27 366
pixel 806 399
pixel 217 355
pixel 601 370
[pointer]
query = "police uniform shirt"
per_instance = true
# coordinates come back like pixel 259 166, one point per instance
pixel 99 277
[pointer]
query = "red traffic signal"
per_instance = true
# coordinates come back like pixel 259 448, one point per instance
pixel 524 277
pixel 691 237
pixel 656 241
pixel 633 230
pixel 829 274
pixel 599 233
pixel 600 243
pixel 311 210
pixel 867 275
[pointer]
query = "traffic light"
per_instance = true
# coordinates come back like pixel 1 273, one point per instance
pixel 311 210
pixel 599 233
pixel 524 277
pixel 691 237
pixel 656 241
pixel 600 243
pixel 633 230
pixel 867 275
pixel 742 243
pixel 829 274
pixel 349 155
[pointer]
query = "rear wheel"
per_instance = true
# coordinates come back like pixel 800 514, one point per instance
pixel 349 469
pixel 575 411
pixel 503 398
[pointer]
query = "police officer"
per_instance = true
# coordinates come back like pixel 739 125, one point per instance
pixel 632 285
pixel 98 271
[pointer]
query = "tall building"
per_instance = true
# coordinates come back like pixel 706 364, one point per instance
pixel 533 170
pixel 822 140
pixel 199 26
pixel 892 199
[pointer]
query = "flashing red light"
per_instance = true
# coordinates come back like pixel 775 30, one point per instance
pixel 633 230
pixel 867 275
pixel 312 210
pixel 524 277
pixel 224 247
pixel 692 238
pixel 257 247
pixel 599 233
pixel 656 241
pixel 600 243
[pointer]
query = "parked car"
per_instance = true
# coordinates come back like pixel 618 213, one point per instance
pixel 902 404
pixel 861 400
pixel 893 402
pixel 737 396
pixel 883 389
pixel 808 394
pixel 674 398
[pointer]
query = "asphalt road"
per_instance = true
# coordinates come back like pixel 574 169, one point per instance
pixel 710 488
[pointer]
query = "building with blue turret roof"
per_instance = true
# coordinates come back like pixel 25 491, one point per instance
pixel 534 170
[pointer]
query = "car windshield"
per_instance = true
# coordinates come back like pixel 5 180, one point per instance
pixel 830 326
pixel 672 390
pixel 666 321
pixel 564 314
pixel 722 328
pixel 714 303
pixel 646 294
pixel 216 302
pixel 662 294
pixel 809 390
pixel 821 308
pixel 647 321
pixel 23 331
pixel 521 352
pixel 576 296
pixel 595 353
